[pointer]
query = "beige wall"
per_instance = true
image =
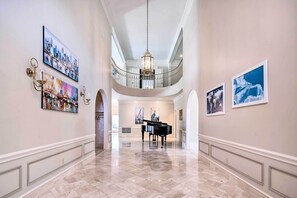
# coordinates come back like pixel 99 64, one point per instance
pixel 221 40
pixel 234 36
pixel 84 29
pixel 127 112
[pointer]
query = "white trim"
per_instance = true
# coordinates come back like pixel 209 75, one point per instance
pixel 262 152
pixel 140 102
pixel 50 179
pixel 177 98
pixel 116 41
pixel 188 7
pixel 32 151
pixel 105 8
pixel 176 46
pixel 236 176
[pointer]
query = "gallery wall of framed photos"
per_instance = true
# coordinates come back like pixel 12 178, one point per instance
pixel 247 88
pixel 132 113
pixel 57 94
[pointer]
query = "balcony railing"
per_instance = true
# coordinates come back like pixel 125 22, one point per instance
pixel 137 80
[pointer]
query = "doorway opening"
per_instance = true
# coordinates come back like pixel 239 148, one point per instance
pixel 99 122
pixel 192 122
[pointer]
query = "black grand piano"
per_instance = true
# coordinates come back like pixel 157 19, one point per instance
pixel 156 129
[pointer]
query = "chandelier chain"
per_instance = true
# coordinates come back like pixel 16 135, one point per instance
pixel 147 25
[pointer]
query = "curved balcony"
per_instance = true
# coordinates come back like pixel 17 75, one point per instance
pixel 164 84
pixel 137 80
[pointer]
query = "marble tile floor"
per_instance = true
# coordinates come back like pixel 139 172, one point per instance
pixel 135 169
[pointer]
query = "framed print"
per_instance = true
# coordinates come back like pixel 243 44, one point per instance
pixel 180 114
pixel 215 100
pixel 58 95
pixel 155 116
pixel 58 56
pixel 139 115
pixel 251 86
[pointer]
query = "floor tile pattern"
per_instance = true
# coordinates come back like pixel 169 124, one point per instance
pixel 144 170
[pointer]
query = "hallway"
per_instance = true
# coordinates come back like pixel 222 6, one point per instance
pixel 132 169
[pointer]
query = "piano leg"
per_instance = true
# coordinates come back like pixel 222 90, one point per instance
pixel 162 141
pixel 142 136
pixel 154 138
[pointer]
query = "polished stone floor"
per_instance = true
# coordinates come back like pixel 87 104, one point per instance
pixel 135 169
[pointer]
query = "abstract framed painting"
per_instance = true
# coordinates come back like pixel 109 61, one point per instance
pixel 251 86
pixel 215 101
pixel 58 95
pixel 139 115
pixel 58 56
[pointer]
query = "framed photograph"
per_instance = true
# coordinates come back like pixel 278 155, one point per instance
pixel 215 101
pixel 251 86
pixel 139 115
pixel 58 95
pixel 58 56
pixel 180 114
pixel 155 116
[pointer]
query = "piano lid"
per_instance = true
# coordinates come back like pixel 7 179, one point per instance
pixel 154 122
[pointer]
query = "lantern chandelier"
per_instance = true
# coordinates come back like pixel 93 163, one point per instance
pixel 147 58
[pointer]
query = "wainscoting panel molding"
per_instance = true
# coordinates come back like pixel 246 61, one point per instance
pixel 243 165
pixel 204 147
pixel 89 147
pixel 10 182
pixel 282 183
pixel 33 151
pixel 42 167
pixel 273 174
pixel 23 171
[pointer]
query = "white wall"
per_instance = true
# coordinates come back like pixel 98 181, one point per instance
pixel 178 105
pixel 190 55
pixel 83 27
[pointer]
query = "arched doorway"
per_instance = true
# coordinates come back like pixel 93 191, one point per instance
pixel 192 122
pixel 99 121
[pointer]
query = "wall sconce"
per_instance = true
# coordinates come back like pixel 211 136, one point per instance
pixel 31 72
pixel 85 96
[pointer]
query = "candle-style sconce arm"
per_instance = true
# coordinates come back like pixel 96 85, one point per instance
pixel 31 72
pixel 85 96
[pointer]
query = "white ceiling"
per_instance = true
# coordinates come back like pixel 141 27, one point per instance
pixel 128 18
